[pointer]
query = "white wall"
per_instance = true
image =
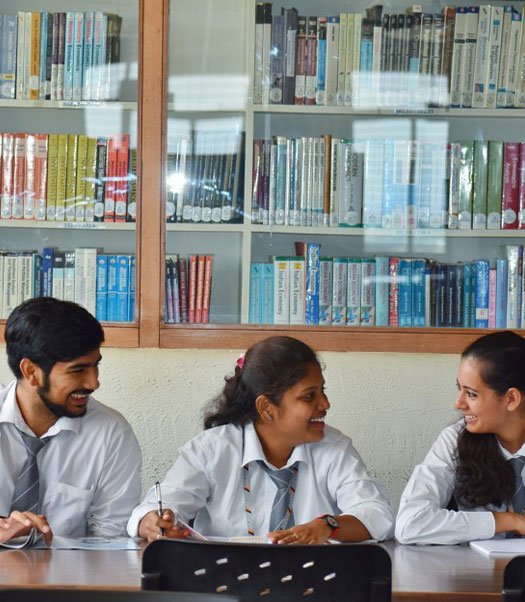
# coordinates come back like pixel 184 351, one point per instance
pixel 392 405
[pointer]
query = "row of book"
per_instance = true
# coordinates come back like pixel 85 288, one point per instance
pixel 389 291
pixel 103 283
pixel 69 56
pixel 387 183
pixel 205 177
pixel 463 57
pixel 188 289
pixel 67 177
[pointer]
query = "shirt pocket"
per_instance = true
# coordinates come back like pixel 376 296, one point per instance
pixel 66 508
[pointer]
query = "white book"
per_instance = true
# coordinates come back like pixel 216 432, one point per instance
pixel 341 66
pixel 376 63
pixel 78 55
pixel 68 55
pixel 469 56
pixel 356 59
pixel 514 58
pixel 1 285
pixel 349 58
pixel 339 290
pixel 25 277
pixel 10 290
pixel 332 56
pixel 317 182
pixel 334 182
pixel 482 58
pixel 503 72
pixel 499 548
pixel 297 290
pixel 295 215
pixel 496 21
pixel 21 55
pixel 350 184
pixel 458 57
pixel 309 177
pixel 372 184
pixel 281 307
pixel 514 260
pixel 89 22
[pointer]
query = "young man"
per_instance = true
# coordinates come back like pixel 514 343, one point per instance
pixel 68 464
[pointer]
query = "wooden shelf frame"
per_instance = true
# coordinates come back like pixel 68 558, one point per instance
pixel 149 329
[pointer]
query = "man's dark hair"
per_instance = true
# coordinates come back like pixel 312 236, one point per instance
pixel 47 330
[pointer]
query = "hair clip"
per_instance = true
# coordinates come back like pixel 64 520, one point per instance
pixel 240 361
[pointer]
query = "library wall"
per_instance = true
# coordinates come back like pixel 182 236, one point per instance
pixel 392 406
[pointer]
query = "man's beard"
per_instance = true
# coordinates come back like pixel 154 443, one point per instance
pixel 55 408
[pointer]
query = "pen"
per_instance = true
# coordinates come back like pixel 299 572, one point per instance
pixel 158 495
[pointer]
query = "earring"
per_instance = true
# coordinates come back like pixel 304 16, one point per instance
pixel 269 417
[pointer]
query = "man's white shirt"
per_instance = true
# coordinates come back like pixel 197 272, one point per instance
pixel 89 470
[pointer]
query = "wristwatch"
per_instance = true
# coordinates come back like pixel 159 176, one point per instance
pixel 331 521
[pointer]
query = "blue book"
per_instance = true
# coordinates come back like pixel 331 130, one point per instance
pixel 123 288
pixel 78 55
pixel 320 84
pixel 501 292
pixel 482 293
pixel 87 70
pixel 404 307
pixel 68 55
pixel 8 43
pixel 450 295
pixel 101 311
pixel 133 287
pixel 467 296
pixel 48 254
pixel 418 292
pixel 312 283
pixel 112 289
pixel 255 315
pixel 267 292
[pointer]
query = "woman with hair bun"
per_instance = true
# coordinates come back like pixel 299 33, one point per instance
pixel 470 485
pixel 267 464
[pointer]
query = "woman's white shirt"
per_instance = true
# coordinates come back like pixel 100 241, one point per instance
pixel 207 483
pixel 422 516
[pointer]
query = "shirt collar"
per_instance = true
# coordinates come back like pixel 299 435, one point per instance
pixel 508 455
pixel 253 451
pixel 10 412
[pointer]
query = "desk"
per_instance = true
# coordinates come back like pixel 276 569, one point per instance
pixel 420 573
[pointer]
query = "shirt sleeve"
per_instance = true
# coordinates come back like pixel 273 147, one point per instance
pixel 358 494
pixel 118 489
pixel 185 488
pixel 423 517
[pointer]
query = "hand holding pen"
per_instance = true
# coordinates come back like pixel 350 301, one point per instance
pixel 160 511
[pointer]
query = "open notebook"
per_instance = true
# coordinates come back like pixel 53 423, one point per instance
pixel 499 548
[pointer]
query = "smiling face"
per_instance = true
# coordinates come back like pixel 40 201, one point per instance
pixel 300 416
pixel 484 410
pixel 66 389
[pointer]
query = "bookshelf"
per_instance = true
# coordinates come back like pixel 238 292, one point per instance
pixel 193 65
pixel 263 240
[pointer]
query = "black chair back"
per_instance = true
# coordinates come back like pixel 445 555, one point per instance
pixel 101 595
pixel 330 573
pixel 514 580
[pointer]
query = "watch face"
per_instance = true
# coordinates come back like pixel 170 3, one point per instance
pixel 331 521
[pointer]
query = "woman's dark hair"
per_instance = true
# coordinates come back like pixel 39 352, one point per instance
pixel 47 330
pixel 483 476
pixel 270 368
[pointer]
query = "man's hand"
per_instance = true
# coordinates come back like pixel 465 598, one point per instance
pixel 18 524
pixel 153 527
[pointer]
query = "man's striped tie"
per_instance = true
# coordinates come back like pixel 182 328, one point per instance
pixel 25 496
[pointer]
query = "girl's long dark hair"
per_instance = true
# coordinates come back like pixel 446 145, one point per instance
pixel 270 368
pixel 483 476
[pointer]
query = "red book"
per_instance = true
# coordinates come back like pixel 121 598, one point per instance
pixel 111 175
pixel 19 176
pixel 7 175
pixel 192 287
pixel 510 186
pixel 206 295
pixel 393 291
pixel 521 194
pixel 29 185
pixel 40 176
pixel 121 183
pixel 201 263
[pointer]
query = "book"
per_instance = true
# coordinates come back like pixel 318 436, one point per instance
pixel 499 548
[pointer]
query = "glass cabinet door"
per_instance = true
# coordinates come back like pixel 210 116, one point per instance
pixel 68 132
pixel 206 225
